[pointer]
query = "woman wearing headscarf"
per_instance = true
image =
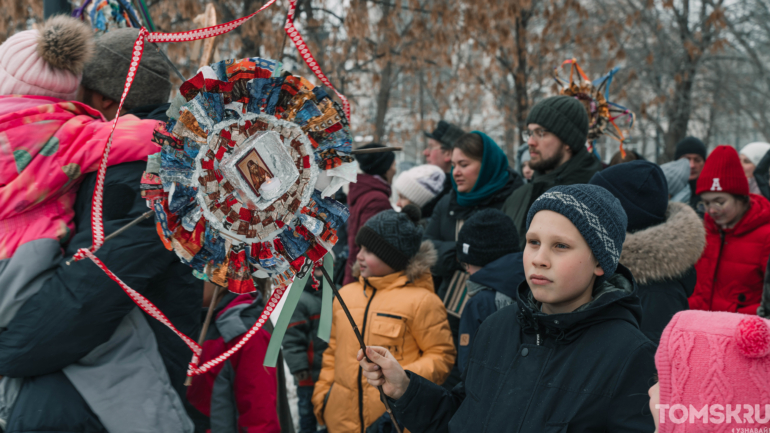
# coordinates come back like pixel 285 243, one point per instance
pixel 481 179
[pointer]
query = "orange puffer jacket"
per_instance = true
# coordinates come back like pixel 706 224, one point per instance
pixel 399 311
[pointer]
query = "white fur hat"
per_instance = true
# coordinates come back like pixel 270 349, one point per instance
pixel 420 184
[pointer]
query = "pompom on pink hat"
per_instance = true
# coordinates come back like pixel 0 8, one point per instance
pixel 48 62
pixel 714 358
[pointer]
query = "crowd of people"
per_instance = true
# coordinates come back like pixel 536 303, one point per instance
pixel 568 296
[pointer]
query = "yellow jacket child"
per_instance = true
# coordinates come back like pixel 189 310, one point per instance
pixel 394 305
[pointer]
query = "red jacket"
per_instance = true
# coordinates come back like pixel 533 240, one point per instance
pixel 731 270
pixel 369 196
pixel 241 391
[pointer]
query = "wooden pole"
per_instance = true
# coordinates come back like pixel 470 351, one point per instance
pixel 141 218
pixel 206 323
pixel 361 343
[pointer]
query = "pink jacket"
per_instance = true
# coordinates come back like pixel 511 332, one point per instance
pixel 47 145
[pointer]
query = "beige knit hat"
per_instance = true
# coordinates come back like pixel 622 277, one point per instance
pixel 420 184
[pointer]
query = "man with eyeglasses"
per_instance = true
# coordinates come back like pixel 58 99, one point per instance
pixel 557 128
pixel 438 152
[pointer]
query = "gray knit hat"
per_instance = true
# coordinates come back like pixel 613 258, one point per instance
pixel 563 116
pixel 598 216
pixel 677 175
pixel 106 72
pixel 394 237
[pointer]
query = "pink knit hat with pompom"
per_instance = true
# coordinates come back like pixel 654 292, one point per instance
pixel 48 62
pixel 715 359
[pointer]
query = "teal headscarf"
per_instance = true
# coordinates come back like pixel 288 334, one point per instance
pixel 492 176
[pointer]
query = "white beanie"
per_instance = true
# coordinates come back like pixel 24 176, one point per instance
pixel 755 151
pixel 420 184
pixel 48 62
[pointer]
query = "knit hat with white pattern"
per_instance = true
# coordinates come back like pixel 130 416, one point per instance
pixel 598 216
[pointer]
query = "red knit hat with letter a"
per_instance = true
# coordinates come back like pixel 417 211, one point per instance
pixel 723 172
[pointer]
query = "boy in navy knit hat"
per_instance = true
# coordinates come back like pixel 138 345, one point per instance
pixel 568 354
pixel 488 248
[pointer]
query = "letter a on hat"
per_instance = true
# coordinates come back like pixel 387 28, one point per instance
pixel 715 186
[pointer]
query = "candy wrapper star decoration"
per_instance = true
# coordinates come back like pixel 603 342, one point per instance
pixel 107 15
pixel 234 188
pixel 602 114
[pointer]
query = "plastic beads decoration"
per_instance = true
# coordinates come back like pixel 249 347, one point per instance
pixel 595 98
pixel 234 186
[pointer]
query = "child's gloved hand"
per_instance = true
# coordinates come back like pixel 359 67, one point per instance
pixel 383 371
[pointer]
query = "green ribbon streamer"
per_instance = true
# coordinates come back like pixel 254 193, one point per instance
pixel 292 298
pixel 325 322
pixel 146 13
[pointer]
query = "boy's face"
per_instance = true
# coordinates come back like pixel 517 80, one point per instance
pixel 371 265
pixel 558 263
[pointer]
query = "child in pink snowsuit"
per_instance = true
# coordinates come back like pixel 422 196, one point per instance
pixel 47 141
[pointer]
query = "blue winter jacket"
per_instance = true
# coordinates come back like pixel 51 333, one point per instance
pixel 491 289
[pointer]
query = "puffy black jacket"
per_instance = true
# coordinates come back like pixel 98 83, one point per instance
pixel 585 371
pixel 662 260
pixel 79 308
pixel 490 289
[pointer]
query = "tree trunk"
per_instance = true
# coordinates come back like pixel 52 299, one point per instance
pixel 679 109
pixel 521 79
pixel 387 78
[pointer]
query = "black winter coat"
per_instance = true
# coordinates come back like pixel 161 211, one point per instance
pixel 79 308
pixel 762 175
pixel 662 260
pixel 585 371
pixel 490 289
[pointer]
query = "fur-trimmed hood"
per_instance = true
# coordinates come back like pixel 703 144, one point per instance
pixel 418 266
pixel 667 250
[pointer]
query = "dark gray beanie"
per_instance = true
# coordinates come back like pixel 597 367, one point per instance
pixel 394 237
pixel 106 72
pixel 446 133
pixel 641 188
pixel 690 145
pixel 375 163
pixel 598 216
pixel 485 237
pixel 563 116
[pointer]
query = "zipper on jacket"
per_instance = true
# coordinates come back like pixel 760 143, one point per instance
pixel 392 316
pixel 538 339
pixel 360 371
pixel 716 268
